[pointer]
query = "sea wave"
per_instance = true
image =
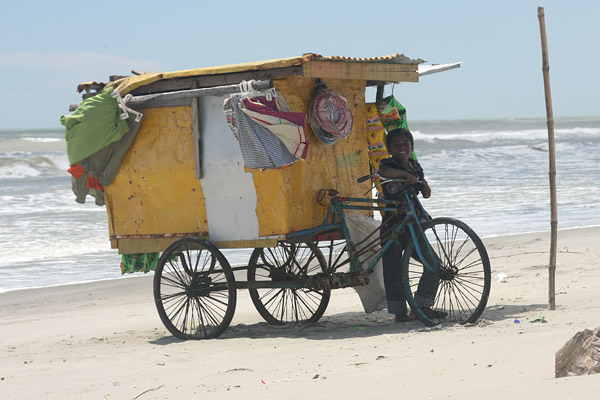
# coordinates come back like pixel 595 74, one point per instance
pixel 493 175
pixel 483 136
pixel 19 165
pixel 32 144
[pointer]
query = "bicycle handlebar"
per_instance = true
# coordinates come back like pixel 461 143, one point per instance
pixel 383 179
pixel 364 178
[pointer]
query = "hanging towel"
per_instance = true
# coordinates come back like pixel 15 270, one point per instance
pixel 275 115
pixel 260 147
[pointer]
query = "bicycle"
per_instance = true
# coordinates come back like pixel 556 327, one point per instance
pixel 195 287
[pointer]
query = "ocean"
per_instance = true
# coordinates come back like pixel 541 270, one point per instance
pixel 492 174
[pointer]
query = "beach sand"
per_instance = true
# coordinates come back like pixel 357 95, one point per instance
pixel 104 340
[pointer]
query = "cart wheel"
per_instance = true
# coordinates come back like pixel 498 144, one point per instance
pixel 288 262
pixel 460 292
pixel 194 289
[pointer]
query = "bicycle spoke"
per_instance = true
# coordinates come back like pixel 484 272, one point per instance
pixel 194 289
pixel 287 262
pixel 463 278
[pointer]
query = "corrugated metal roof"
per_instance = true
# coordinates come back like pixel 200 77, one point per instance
pixel 392 58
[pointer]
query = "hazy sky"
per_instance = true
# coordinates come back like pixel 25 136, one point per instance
pixel 48 47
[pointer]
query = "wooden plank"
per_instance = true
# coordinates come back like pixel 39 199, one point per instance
pixel 197 137
pixel 214 80
pixel 151 245
pixel 146 245
pixel 362 71
pixel 246 244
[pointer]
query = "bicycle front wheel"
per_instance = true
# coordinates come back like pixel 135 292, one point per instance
pixel 459 288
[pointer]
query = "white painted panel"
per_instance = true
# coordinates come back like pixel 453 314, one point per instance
pixel 229 191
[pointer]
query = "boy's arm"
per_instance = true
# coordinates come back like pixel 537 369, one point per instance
pixel 389 172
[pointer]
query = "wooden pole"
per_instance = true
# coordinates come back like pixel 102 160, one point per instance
pixel 154 100
pixel 379 94
pixel 552 165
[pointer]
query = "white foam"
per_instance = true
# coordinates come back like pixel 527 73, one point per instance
pixel 19 165
pixel 19 170
pixel 42 140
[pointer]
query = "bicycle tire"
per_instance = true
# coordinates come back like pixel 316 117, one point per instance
pixel 194 290
pixel 288 261
pixel 463 283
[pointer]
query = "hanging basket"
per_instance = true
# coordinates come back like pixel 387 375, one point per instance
pixel 330 116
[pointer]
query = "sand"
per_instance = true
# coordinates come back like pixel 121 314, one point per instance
pixel 104 340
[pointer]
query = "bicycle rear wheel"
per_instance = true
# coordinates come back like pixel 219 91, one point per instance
pixel 459 291
pixel 194 289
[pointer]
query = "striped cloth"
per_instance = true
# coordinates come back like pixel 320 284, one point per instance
pixel 274 114
pixel 260 147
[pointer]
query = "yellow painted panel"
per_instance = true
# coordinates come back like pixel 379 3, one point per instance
pixel 155 191
pixel 286 198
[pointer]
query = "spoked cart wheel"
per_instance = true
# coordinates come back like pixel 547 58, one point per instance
pixel 288 262
pixel 460 292
pixel 194 289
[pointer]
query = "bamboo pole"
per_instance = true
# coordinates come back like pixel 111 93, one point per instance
pixel 552 164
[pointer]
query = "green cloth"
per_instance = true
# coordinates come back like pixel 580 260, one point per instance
pixel 104 165
pixel 94 125
pixel 143 262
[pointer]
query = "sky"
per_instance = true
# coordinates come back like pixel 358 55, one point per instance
pixel 48 48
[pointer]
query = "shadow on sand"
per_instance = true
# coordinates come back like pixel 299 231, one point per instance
pixel 358 324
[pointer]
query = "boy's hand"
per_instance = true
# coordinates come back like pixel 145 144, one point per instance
pixel 425 190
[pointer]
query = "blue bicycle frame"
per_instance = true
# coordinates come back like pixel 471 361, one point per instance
pixel 335 221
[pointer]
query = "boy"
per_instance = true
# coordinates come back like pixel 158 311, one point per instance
pixel 400 145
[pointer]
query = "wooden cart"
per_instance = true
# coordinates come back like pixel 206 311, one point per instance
pixel 183 186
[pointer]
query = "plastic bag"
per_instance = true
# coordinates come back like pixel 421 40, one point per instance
pixel 392 113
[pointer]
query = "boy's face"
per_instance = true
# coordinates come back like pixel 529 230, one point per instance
pixel 401 148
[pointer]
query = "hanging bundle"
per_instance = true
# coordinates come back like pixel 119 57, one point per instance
pixel 393 114
pixel 269 134
pixel 375 141
pixel 329 115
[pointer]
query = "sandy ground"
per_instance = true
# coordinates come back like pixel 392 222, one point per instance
pixel 104 340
